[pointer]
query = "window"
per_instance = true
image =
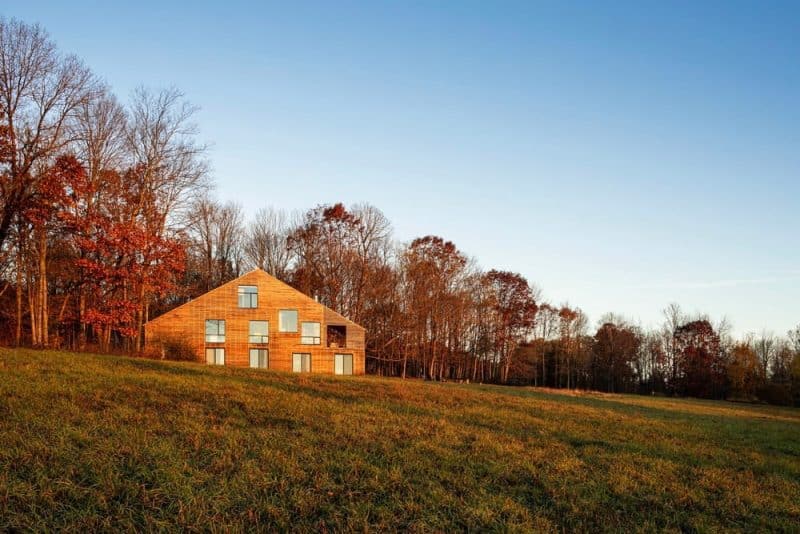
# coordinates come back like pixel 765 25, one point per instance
pixel 215 331
pixel 215 356
pixel 343 364
pixel 259 332
pixel 287 321
pixel 259 358
pixel 309 334
pixel 301 363
pixel 248 297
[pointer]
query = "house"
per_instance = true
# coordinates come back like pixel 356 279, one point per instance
pixel 258 321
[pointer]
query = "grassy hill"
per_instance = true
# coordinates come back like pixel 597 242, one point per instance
pixel 102 442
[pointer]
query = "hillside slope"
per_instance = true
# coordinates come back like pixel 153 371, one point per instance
pixel 103 442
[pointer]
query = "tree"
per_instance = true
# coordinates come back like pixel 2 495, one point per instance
pixel 614 352
pixel 434 275
pixel 764 346
pixel 216 235
pixel 673 319
pixel 545 327
pixel 99 141
pixel 40 93
pixel 124 259
pixel 572 351
pixel 337 250
pixel 514 308
pixel 701 369
pixel 794 338
pixel 266 243
pixel 744 371
pixel 168 171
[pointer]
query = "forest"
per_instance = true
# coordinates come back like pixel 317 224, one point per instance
pixel 108 218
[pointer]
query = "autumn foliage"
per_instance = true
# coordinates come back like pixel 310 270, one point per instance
pixel 106 220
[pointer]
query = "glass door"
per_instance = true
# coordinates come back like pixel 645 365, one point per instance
pixel 343 364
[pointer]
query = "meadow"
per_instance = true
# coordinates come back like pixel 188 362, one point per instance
pixel 93 442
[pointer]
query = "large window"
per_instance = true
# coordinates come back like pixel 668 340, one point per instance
pixel 343 364
pixel 248 297
pixel 259 358
pixel 287 321
pixel 259 332
pixel 215 356
pixel 309 334
pixel 301 363
pixel 215 331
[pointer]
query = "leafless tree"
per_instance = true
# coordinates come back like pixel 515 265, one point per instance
pixel 216 234
pixel 40 92
pixel 162 142
pixel 266 244
pixel 168 165
pixel 765 345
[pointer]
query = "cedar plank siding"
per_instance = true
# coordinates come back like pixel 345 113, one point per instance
pixel 187 323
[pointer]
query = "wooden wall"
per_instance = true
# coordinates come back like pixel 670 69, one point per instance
pixel 187 322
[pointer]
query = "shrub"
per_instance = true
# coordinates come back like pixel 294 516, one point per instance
pixel 175 349
pixel 777 394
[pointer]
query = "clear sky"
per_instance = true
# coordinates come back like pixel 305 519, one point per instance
pixel 620 155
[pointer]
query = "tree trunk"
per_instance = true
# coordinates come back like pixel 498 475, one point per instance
pixel 44 327
pixel 18 334
pixel 81 320
pixel 33 315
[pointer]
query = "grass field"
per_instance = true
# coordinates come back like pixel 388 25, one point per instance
pixel 100 442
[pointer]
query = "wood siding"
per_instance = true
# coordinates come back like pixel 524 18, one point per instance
pixel 187 323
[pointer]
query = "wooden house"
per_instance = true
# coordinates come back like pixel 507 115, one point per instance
pixel 258 321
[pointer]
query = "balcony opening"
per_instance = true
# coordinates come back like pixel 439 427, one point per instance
pixel 337 336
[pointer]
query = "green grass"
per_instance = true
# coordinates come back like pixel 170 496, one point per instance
pixel 93 442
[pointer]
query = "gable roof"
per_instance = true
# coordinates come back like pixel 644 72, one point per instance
pixel 328 312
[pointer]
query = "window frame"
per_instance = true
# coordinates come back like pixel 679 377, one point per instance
pixel 215 351
pixel 218 337
pixel 265 352
pixel 311 340
pixel 258 339
pixel 251 297
pixel 303 357
pixel 296 321
pixel 344 357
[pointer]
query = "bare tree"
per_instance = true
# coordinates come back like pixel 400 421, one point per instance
pixel 765 345
pixel 169 169
pixel 40 91
pixel 266 245
pixel 99 135
pixel 673 319
pixel 161 139
pixel 794 337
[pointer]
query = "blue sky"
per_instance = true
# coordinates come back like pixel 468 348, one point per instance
pixel 620 155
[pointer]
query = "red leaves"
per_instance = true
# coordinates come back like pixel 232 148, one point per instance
pixel 120 257
pixel 513 299
pixel 50 198
pixel 700 360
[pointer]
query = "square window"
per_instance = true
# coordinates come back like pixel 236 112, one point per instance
pixel 248 296
pixel 287 321
pixel 215 331
pixel 301 363
pixel 310 334
pixel 259 332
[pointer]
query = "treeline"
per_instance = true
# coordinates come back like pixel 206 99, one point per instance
pixel 685 356
pixel 107 220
